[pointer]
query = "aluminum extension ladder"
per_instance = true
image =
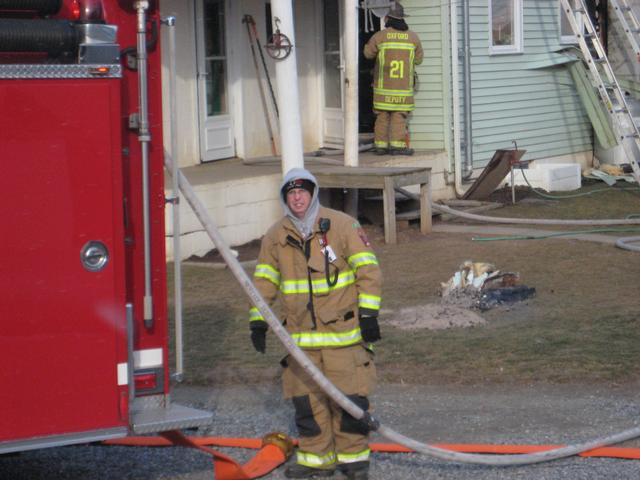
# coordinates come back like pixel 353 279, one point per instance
pixel 593 53
pixel 629 23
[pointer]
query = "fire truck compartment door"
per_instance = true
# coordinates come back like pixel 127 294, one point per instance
pixel 62 325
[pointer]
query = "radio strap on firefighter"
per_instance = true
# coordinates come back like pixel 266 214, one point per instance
pixel 325 225
pixel 253 37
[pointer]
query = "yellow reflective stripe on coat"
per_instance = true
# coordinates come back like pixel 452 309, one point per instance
pixel 396 93
pixel 372 302
pixel 264 270
pixel 362 456
pixel 396 46
pixel 254 314
pixel 327 339
pixel 361 259
pixel 315 461
pixel 319 285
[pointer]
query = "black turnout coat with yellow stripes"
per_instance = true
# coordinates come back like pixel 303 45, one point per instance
pixel 316 312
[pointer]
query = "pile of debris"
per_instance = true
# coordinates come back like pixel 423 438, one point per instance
pixel 480 285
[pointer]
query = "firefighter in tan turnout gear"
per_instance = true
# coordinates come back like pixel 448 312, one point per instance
pixel 319 263
pixel 396 50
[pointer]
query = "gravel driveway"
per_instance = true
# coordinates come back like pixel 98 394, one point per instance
pixel 448 414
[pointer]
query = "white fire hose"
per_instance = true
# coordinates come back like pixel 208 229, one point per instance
pixel 355 411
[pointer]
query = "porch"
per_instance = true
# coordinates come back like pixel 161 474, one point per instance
pixel 242 195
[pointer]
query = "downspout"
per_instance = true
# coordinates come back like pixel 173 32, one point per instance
pixel 287 85
pixel 455 87
pixel 468 133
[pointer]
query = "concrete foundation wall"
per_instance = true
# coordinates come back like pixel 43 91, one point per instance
pixel 243 210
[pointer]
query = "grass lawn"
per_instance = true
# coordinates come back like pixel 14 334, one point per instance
pixel 582 326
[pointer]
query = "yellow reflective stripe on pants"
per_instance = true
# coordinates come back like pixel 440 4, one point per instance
pixel 315 461
pixel 327 339
pixel 362 456
pixel 372 302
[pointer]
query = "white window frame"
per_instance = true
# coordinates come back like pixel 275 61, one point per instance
pixel 518 44
pixel 570 39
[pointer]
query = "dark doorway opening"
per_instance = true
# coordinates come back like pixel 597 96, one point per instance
pixel 365 76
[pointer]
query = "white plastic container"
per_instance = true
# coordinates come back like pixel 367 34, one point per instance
pixel 552 177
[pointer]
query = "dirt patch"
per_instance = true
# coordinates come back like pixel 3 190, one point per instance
pixel 432 317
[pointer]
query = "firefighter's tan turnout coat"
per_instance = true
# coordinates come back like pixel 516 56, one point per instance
pixel 396 52
pixel 321 300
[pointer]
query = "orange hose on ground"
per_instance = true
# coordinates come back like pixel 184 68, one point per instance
pixel 268 458
pixel 253 443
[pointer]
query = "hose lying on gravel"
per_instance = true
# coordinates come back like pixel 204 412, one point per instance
pixel 350 407
pixel 533 221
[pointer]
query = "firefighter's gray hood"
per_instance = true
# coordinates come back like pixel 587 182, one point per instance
pixel 305 225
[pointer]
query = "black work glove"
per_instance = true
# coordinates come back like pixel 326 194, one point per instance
pixel 369 328
pixel 259 335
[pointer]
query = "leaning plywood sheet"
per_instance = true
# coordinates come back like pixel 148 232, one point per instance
pixel 493 174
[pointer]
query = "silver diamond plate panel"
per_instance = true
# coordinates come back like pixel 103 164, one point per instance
pixel 174 417
pixel 15 71
pixel 150 402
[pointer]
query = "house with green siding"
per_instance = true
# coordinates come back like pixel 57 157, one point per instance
pixel 496 74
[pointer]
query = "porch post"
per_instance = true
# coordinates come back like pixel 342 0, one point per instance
pixel 350 42
pixel 287 86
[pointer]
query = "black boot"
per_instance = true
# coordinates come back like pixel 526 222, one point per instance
pixel 380 151
pixel 401 151
pixel 301 471
pixel 355 471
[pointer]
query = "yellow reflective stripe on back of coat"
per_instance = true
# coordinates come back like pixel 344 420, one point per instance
pixel 397 93
pixel 354 457
pixel 315 461
pixel 372 302
pixel 254 314
pixel 327 339
pixel 361 259
pixel 266 271
pixel 396 46
pixel 381 69
pixel 320 285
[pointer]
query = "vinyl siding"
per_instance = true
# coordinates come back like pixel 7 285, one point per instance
pixel 427 123
pixel 512 100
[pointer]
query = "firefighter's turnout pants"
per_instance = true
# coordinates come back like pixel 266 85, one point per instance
pixel 390 129
pixel 328 434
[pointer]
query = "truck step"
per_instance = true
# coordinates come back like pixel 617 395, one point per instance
pixel 173 417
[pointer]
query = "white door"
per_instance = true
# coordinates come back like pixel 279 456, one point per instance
pixel 333 116
pixel 216 125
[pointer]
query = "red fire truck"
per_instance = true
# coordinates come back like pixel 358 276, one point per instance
pixel 83 303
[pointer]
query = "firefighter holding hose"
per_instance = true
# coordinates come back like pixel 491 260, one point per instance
pixel 320 265
pixel 396 50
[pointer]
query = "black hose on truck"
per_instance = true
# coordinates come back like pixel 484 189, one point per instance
pixel 41 7
pixel 54 37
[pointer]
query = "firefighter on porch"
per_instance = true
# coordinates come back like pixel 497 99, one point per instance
pixel 396 50
pixel 320 265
